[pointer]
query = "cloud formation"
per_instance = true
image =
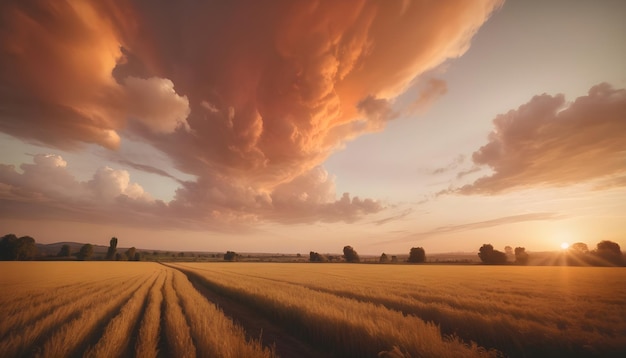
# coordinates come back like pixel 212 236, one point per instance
pixel 547 142
pixel 249 98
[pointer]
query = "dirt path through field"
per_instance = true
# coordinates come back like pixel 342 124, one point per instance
pixel 256 325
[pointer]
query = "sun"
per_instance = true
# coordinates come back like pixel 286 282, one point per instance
pixel 564 245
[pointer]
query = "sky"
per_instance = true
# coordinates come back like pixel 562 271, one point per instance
pixel 297 126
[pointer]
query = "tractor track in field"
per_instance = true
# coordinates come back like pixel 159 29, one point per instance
pixel 284 343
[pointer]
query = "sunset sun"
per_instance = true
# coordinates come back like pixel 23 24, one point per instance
pixel 564 245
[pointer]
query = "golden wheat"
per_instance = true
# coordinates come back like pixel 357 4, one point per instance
pixel 216 336
pixel 521 310
pixel 96 308
pixel 116 336
pixel 148 340
pixel 354 328
pixel 176 327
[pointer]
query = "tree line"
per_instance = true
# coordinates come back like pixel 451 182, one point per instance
pixel 416 255
pixel 607 253
pixel 24 248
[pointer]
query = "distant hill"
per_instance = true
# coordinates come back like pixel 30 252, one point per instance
pixel 54 248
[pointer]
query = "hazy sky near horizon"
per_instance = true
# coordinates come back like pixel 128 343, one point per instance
pixel 291 126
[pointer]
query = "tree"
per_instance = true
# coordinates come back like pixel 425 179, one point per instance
pixel 112 251
pixel 230 256
pixel 137 256
pixel 610 252
pixel 14 248
pixel 26 248
pixel 490 256
pixel 383 258
pixel 579 247
pixel 417 255
pixel 85 253
pixel 65 251
pixel 130 253
pixel 521 256
pixel 350 255
pixel 7 247
pixel 578 255
pixel 316 257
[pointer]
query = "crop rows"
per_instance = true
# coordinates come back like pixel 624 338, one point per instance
pixel 116 309
pixel 521 311
pixel 339 325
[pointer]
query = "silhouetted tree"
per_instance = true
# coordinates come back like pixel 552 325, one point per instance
pixel 137 256
pixel 417 255
pixel 490 256
pixel 7 247
pixel 509 252
pixel 383 258
pixel 394 258
pixel 316 257
pixel 65 251
pixel 579 247
pixel 26 248
pixel 609 252
pixel 85 253
pixel 578 255
pixel 14 248
pixel 130 253
pixel 112 251
pixel 230 256
pixel 521 256
pixel 350 255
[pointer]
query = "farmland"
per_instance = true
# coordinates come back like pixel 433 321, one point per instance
pixel 104 309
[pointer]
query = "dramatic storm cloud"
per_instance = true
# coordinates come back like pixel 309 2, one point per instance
pixel 249 97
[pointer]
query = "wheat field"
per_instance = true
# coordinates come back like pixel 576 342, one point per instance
pixel 113 309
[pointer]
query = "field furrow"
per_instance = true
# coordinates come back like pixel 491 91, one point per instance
pixel 177 329
pixel 214 334
pixel 30 311
pixel 520 311
pixel 71 338
pixel 344 326
pixel 149 331
pixel 27 339
pixel 116 337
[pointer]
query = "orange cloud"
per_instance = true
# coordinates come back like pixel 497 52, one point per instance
pixel 546 142
pixel 247 96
